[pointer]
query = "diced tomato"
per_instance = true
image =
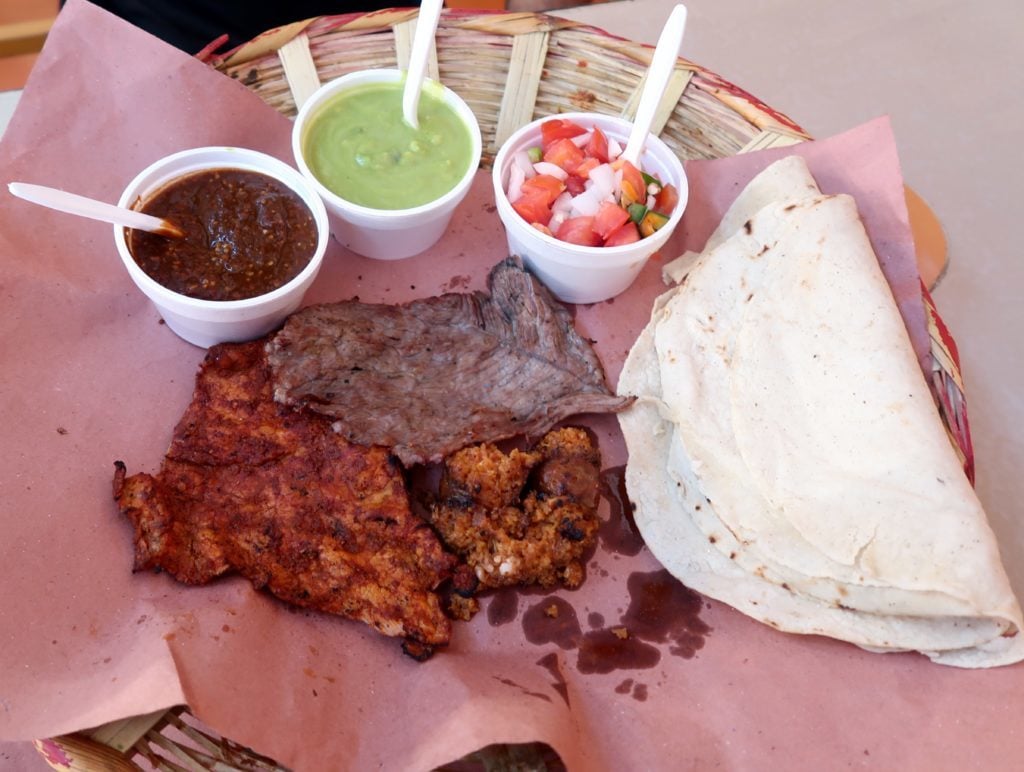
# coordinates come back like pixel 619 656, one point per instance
pixel 633 188
pixel 545 185
pixel 579 230
pixel 627 234
pixel 598 146
pixel 644 205
pixel 666 200
pixel 565 154
pixel 609 218
pixel 575 184
pixel 533 207
pixel 555 129
pixel 583 170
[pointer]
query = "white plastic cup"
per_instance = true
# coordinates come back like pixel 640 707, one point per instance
pixel 205 323
pixel 576 273
pixel 386 234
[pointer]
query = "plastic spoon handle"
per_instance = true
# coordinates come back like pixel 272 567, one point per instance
pixel 426 25
pixel 662 64
pixel 72 203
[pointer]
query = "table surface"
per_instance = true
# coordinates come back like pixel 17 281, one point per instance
pixel 950 78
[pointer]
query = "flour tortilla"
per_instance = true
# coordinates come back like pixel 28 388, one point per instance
pixel 785 455
pixel 784 181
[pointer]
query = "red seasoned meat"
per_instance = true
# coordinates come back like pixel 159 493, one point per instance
pixel 250 486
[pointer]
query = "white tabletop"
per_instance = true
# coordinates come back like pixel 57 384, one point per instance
pixel 8 101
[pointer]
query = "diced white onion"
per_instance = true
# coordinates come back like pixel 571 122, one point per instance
pixel 650 202
pixel 515 183
pixel 522 160
pixel 563 204
pixel 556 222
pixel 581 140
pixel 586 204
pixel 653 188
pixel 614 149
pixel 603 179
pixel 617 192
pixel 546 167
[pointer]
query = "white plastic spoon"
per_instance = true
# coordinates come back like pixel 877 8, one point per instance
pixel 72 203
pixel 426 25
pixel 662 64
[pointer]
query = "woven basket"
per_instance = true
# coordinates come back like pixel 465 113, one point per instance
pixel 510 68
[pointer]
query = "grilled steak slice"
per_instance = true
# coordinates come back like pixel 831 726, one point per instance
pixel 432 376
pixel 251 486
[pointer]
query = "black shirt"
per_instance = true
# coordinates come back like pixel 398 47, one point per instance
pixel 192 24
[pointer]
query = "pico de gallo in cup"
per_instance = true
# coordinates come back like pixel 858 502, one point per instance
pixel 584 219
pixel 574 185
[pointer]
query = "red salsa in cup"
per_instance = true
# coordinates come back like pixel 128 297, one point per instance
pixel 246 234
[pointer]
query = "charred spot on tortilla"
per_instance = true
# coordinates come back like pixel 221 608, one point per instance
pixel 438 374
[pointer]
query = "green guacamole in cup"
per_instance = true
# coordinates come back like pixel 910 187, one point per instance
pixel 360 148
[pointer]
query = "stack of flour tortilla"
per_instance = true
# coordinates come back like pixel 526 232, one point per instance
pixel 785 453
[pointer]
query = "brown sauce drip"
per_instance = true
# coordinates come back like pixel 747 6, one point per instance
pixel 550 663
pixel 662 609
pixel 603 651
pixel 523 689
pixel 618 533
pixel 503 608
pixel 552 620
pixel 625 687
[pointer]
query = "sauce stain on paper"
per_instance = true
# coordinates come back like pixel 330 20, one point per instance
pixel 550 663
pixel 552 620
pixel 629 686
pixel 503 608
pixel 618 533
pixel 610 649
pixel 662 611
pixel 523 689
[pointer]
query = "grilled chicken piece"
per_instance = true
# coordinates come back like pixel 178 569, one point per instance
pixel 252 486
pixel 523 517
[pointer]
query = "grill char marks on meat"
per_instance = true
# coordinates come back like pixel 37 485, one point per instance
pixel 251 486
pixel 432 376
